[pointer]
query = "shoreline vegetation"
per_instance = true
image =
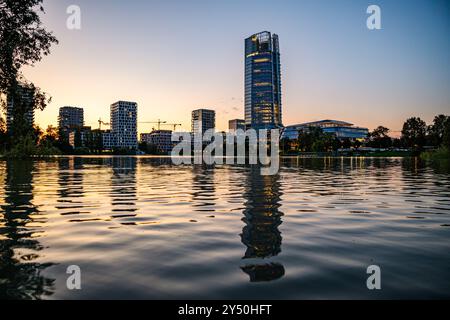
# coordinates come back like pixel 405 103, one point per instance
pixel 436 155
pixel 429 143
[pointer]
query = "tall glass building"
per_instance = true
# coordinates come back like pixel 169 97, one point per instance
pixel 262 81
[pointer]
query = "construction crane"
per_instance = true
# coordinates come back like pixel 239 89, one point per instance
pixel 175 125
pixel 159 122
pixel 100 123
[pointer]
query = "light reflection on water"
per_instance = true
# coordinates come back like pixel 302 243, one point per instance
pixel 140 227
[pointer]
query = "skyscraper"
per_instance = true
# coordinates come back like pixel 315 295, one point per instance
pixel 203 120
pixel 26 113
pixel 70 117
pixel 262 81
pixel 124 124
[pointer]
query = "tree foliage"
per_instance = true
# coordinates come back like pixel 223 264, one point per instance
pixel 313 139
pixel 414 133
pixel 436 131
pixel 446 135
pixel 23 41
pixel 379 138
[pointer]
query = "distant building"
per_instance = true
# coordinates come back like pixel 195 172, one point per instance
pixel 262 82
pixel 108 140
pixel 161 139
pixel 71 117
pixel 80 137
pixel 26 94
pixel 203 120
pixel 342 130
pixel 236 124
pixel 69 120
pixel 124 124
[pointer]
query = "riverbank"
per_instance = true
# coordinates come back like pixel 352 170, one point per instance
pixel 436 155
pixel 377 154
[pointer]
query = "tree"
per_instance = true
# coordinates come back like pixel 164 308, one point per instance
pixel 414 133
pixel 51 134
pixel 436 130
pixel 148 148
pixel 446 134
pixel 23 41
pixel 2 124
pixel 397 143
pixel 307 137
pixel 357 144
pixel 379 132
pixel 346 143
pixel 2 133
pixel 379 138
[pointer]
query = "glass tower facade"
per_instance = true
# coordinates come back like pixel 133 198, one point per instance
pixel 262 82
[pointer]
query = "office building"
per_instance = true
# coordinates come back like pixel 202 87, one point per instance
pixel 342 130
pixel 161 139
pixel 108 139
pixel 79 137
pixel 70 119
pixel 236 124
pixel 262 82
pixel 24 109
pixel 124 124
pixel 203 120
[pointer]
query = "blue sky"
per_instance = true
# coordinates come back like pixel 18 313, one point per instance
pixel 174 56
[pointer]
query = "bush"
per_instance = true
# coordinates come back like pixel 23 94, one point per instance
pixel 440 154
pixel 24 147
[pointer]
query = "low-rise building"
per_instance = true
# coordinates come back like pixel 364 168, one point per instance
pixel 161 139
pixel 236 124
pixel 108 140
pixel 80 137
pixel 341 129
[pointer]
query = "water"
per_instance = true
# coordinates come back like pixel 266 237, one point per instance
pixel 142 228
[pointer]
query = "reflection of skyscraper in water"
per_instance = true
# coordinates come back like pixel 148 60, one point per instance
pixel 123 189
pixel 262 219
pixel 20 273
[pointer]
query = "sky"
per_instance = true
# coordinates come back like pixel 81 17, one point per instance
pixel 174 56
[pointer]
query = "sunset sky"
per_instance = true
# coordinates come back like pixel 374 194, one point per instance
pixel 175 56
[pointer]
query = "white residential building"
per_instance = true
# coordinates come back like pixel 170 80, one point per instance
pixel 124 124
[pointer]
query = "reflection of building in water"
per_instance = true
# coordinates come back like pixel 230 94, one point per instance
pixel 123 188
pixel 262 219
pixel 264 272
pixel 203 188
pixel 70 178
pixel 20 274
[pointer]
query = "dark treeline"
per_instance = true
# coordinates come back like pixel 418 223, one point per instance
pixel 23 41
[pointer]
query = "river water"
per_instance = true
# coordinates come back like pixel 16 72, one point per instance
pixel 142 228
